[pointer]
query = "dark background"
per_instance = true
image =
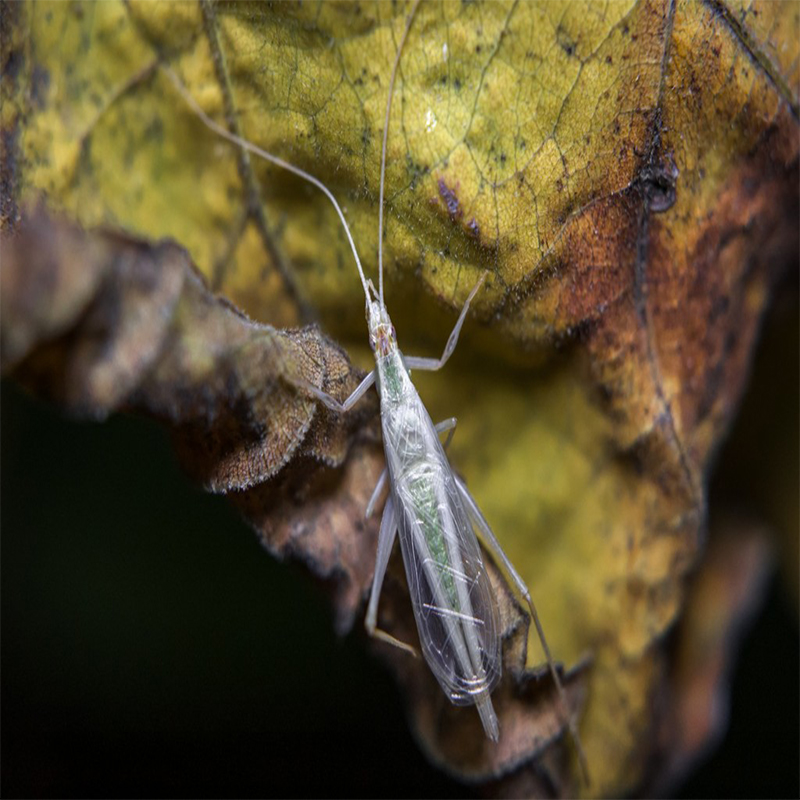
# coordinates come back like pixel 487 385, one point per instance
pixel 150 646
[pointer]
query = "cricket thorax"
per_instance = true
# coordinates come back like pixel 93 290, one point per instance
pixel 382 337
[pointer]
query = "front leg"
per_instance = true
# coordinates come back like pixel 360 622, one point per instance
pixel 432 364
pixel 331 402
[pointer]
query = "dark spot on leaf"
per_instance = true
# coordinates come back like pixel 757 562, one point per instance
pixel 658 183
pixel 40 83
pixel 720 305
pixel 12 65
pixel 565 41
pixel 155 130
pixel 450 200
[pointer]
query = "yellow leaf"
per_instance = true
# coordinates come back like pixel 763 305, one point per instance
pixel 627 172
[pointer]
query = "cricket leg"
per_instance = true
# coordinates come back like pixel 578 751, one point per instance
pixel 386 539
pixel 377 492
pixel 491 544
pixel 432 364
pixel 331 402
pixel 448 425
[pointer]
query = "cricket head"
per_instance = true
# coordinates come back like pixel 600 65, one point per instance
pixel 382 337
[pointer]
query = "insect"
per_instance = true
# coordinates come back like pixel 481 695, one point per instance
pixel 429 507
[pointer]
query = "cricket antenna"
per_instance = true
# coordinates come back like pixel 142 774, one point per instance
pixel 383 148
pixel 562 695
pixel 256 150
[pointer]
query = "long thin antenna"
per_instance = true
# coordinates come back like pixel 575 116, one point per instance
pixel 383 148
pixel 562 695
pixel 252 148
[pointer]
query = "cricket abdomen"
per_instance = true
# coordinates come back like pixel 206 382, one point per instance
pixel 450 592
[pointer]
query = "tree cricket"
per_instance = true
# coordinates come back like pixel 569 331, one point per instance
pixel 428 507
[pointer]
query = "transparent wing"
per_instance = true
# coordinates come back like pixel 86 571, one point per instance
pixel 452 599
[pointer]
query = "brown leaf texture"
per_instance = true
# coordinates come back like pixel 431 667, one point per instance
pixel 627 173
pixel 720 603
pixel 119 323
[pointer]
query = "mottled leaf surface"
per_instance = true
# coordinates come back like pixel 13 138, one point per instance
pixel 627 172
